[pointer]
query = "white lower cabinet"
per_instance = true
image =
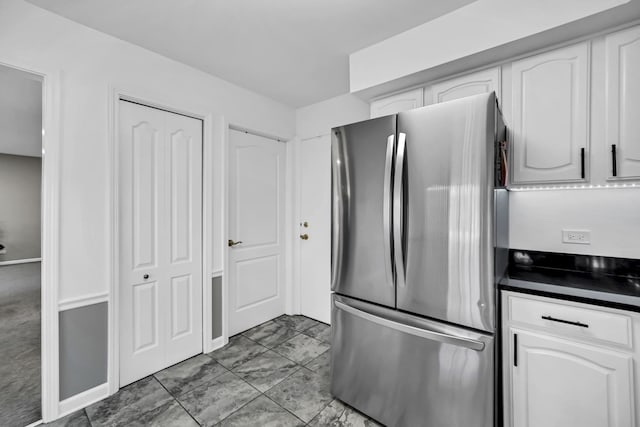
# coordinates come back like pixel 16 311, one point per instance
pixel 558 375
pixel 558 382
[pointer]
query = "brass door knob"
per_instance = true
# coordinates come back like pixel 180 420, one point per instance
pixel 231 243
pixel 304 236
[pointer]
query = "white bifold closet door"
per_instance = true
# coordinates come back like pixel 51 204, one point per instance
pixel 160 229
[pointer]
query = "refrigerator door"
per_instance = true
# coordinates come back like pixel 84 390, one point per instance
pixel 443 211
pixel 361 259
pixel 407 371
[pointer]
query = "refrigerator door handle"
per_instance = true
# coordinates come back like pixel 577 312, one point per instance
pixel 386 210
pixel 412 330
pixel 398 214
pixel 337 213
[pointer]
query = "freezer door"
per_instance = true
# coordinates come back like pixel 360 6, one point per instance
pixel 443 224
pixel 362 161
pixel 406 371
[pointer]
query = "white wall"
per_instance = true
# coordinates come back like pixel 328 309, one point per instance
pixel 20 178
pixel 20 113
pixel 318 119
pixel 90 63
pixel 612 215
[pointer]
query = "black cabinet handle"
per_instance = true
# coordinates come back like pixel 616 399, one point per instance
pixel 515 349
pixel 582 162
pixel 568 322
pixel 614 160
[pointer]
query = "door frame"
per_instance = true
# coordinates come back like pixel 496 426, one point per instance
pixel 296 299
pixel 212 145
pixel 50 233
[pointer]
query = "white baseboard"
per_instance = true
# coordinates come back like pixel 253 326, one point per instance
pixel 37 423
pixel 20 261
pixel 82 400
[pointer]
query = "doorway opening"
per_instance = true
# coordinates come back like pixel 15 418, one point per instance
pixel 21 130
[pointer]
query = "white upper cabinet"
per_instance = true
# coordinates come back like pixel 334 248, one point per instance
pixel 550 116
pixel 623 103
pixel 396 103
pixel 484 81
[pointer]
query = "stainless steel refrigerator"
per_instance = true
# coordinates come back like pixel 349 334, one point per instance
pixel 419 240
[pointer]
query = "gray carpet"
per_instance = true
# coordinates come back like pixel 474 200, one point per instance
pixel 19 344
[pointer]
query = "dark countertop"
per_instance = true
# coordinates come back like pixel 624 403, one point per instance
pixel 600 280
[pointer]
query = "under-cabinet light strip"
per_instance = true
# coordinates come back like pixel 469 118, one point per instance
pixel 573 187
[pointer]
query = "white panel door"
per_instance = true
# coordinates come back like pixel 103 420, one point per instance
pixel 560 383
pixel 485 81
pixel 623 103
pixel 396 103
pixel 315 217
pixel 550 113
pixel 256 230
pixel 160 220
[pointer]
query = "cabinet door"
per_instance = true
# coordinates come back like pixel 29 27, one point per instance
pixel 396 103
pixel 485 81
pixel 623 103
pixel 550 116
pixel 557 382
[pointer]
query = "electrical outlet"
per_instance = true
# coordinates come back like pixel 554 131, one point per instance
pixel 580 237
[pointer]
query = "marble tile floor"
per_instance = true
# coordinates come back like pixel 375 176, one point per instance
pixel 276 374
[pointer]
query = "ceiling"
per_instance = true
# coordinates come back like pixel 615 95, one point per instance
pixel 293 51
pixel 20 113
